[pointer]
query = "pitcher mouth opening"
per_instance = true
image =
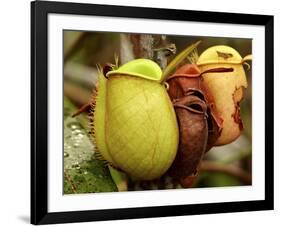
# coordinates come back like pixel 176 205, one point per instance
pixel 218 70
pixel 235 62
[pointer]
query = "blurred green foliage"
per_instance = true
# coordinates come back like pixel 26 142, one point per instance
pixel 213 179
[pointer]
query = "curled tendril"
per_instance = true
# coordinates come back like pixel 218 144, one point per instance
pixel 247 58
pixel 247 65
pixel 166 84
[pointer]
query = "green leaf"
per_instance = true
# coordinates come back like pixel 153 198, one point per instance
pixel 83 173
pixel 178 59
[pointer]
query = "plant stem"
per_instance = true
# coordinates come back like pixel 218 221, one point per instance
pixel 154 47
pixel 227 169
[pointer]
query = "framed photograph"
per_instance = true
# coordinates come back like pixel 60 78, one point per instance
pixel 144 112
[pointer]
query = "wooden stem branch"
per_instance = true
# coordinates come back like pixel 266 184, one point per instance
pixel 71 89
pixel 154 47
pixel 227 169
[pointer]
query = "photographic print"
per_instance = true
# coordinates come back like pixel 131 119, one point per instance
pixel 153 112
pixel 143 112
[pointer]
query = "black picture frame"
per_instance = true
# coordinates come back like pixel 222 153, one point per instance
pixel 39 112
